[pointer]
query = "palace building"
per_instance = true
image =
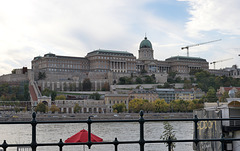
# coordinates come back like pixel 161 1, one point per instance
pixel 102 66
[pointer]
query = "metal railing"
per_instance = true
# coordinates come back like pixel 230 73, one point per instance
pixel 115 142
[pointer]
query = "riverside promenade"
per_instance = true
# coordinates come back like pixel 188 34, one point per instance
pixel 27 116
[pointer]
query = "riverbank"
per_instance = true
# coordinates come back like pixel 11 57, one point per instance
pixel 11 116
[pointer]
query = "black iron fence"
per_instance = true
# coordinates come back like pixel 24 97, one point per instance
pixel 33 145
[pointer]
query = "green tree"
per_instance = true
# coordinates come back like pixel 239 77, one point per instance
pixel 139 80
pixel 87 85
pixel 48 92
pixel 187 84
pixel 53 95
pixel 77 108
pixel 122 80
pixel 224 96
pixel 41 107
pixel 121 107
pixel 178 79
pixel 168 133
pixel 143 71
pixel 95 96
pixel 26 93
pixel 60 97
pixel 211 95
pixel 149 79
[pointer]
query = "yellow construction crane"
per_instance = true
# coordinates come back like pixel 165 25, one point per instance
pixel 214 62
pixel 187 47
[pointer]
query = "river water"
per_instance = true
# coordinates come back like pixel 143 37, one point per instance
pixel 52 133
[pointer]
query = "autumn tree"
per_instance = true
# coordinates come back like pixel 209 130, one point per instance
pixel 161 105
pixel 54 108
pixel 77 108
pixel 60 97
pixel 136 105
pixel 120 107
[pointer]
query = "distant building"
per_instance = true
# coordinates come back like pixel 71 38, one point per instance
pixel 179 94
pixel 111 99
pixel 167 94
pixel 87 106
pixel 150 95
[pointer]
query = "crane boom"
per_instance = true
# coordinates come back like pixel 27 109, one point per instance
pixel 187 47
pixel 214 62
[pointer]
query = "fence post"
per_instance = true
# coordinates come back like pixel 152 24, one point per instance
pixel 4 145
pixel 116 143
pixel 195 129
pixel 222 142
pixel 141 122
pixel 89 122
pixel 169 141
pixel 60 144
pixel 34 124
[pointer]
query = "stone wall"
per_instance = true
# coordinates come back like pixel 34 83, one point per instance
pixel 14 78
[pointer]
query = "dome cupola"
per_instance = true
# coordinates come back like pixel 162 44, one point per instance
pixel 145 44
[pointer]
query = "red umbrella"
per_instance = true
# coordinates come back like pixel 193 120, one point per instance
pixel 82 136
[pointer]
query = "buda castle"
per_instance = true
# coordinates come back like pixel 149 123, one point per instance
pixel 102 66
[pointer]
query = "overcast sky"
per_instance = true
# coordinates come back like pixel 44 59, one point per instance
pixel 29 28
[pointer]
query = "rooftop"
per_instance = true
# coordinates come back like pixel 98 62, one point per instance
pixel 101 51
pixel 186 58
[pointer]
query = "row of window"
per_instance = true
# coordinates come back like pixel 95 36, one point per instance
pixel 114 58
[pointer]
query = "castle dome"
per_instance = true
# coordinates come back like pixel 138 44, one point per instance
pixel 145 43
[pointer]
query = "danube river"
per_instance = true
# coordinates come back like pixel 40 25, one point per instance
pixel 51 133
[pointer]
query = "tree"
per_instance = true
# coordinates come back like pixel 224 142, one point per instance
pixel 139 80
pixel 161 105
pixel 149 79
pixel 211 95
pixel 48 92
pixel 121 107
pixel 168 133
pixel 77 108
pixel 136 105
pixel 60 97
pixel 26 93
pixel 95 96
pixel 87 85
pixel 171 76
pixel 143 71
pixel 224 96
pixel 41 107
pixel 178 79
pixel 53 95
pixel 54 108
pixel 187 84
pixel 122 80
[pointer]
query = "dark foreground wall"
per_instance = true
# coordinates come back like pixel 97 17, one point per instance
pixel 208 130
